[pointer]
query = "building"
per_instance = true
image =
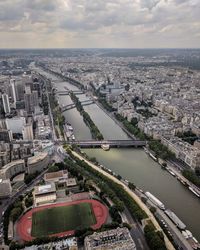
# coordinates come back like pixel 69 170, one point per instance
pixel 15 124
pixel 6 104
pixel 4 247
pixel 116 239
pixel 38 162
pixel 13 90
pixel 59 177
pixel 5 188
pixel 5 135
pixel 184 151
pixel 30 99
pixel 11 169
pixel 44 194
pixel 69 244
pixel 27 132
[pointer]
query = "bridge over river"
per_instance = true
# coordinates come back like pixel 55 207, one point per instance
pixel 93 143
pixel 111 143
pixel 71 106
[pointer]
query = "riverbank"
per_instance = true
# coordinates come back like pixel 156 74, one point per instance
pixel 162 152
pixel 132 194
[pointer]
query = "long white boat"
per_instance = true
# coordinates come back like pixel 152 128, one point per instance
pixel 175 219
pixel 105 147
pixel 155 200
pixel 194 192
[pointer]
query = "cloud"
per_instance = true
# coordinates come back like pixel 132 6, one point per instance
pixel 63 23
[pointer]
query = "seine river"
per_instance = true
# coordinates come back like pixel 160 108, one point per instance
pixel 133 164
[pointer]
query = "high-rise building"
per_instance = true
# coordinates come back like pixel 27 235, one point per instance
pixel 13 90
pixel 30 99
pixel 20 90
pixel 27 132
pixel 6 104
pixel 35 98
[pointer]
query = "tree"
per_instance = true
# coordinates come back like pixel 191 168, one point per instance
pixel 29 201
pixel 153 209
pixel 53 168
pixel 144 199
pixel 15 213
pixel 131 186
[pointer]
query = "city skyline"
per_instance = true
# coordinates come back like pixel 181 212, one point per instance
pixel 100 24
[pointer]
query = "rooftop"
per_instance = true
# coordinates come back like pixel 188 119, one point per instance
pixel 36 158
pixel 44 189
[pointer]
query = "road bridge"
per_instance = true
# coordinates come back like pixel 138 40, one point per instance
pixel 111 143
pixel 67 92
pixel 71 106
pixel 93 143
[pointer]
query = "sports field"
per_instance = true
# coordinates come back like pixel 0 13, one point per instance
pixel 60 219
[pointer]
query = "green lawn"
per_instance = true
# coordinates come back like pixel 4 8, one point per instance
pixel 60 219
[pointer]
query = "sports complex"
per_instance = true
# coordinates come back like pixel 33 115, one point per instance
pixel 61 219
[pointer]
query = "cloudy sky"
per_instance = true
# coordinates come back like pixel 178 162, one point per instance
pixel 99 23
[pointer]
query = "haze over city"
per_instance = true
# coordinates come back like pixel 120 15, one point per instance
pixel 99 24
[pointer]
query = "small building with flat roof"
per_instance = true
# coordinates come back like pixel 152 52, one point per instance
pixel 44 194
pixel 59 177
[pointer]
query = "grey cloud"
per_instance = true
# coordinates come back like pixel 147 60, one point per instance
pixel 93 18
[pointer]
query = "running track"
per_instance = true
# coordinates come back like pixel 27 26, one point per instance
pixel 25 223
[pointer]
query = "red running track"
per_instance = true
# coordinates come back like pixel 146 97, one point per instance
pixel 25 223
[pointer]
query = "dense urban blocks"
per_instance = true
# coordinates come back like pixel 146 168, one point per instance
pixel 61 219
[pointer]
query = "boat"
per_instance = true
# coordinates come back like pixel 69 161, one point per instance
pixel 153 157
pixel 175 219
pixel 155 200
pixel 194 191
pixel 171 172
pixel 105 147
pixel 181 181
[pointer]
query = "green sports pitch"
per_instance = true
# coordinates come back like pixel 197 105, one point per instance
pixel 60 219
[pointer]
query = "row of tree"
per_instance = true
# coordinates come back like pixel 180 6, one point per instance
pixel 131 126
pixel 155 239
pixel 161 150
pixel 191 176
pixel 106 105
pixel 12 213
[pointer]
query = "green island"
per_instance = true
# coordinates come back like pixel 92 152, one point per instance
pixel 96 134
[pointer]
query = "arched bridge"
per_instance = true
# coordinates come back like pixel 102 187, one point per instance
pixel 71 106
pixel 67 92
pixel 111 143
pixel 95 143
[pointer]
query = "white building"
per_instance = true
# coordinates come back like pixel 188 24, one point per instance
pixel 44 194
pixel 27 132
pixel 13 90
pixel 38 162
pixel 16 124
pixel 118 239
pixel 6 104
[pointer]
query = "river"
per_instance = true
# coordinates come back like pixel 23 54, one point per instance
pixel 133 164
